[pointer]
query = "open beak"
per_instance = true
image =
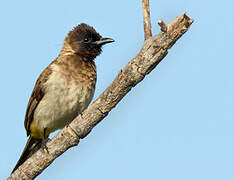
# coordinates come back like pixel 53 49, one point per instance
pixel 103 41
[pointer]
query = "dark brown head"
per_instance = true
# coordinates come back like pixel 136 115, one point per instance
pixel 85 41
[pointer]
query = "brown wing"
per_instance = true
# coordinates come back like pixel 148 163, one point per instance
pixel 36 96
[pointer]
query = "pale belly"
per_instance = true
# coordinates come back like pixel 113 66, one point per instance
pixel 60 105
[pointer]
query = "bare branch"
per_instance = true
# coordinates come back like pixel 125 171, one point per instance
pixel 146 19
pixel 152 52
pixel 163 26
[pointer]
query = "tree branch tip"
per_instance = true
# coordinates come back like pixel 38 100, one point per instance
pixel 185 15
pixel 163 25
pixel 190 21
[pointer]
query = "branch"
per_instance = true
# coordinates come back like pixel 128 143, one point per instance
pixel 152 52
pixel 146 19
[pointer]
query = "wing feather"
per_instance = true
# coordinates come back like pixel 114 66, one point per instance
pixel 36 96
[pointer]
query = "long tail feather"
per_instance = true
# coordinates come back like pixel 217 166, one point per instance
pixel 31 146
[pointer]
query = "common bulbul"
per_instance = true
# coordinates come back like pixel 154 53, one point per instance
pixel 64 89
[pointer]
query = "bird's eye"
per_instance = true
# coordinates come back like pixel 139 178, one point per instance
pixel 87 39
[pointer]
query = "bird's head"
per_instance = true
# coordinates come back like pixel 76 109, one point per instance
pixel 85 41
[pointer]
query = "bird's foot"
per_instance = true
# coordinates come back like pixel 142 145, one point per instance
pixel 43 144
pixel 44 141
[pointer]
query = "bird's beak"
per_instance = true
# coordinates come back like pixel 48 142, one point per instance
pixel 103 41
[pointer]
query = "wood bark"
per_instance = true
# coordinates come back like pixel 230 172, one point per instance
pixel 146 19
pixel 153 51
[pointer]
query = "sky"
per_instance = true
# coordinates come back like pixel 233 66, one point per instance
pixel 176 124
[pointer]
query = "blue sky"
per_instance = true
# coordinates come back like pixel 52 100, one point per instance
pixel 176 124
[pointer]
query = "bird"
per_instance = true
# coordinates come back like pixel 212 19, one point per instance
pixel 64 89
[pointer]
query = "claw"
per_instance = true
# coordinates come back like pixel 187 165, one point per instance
pixel 43 145
pixel 44 141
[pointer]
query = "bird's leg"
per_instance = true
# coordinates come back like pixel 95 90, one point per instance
pixel 44 141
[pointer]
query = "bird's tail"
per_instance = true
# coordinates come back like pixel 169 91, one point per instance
pixel 31 146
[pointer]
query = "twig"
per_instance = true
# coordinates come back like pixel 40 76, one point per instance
pixel 146 19
pixel 163 26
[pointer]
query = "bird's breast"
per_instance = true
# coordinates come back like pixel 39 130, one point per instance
pixel 65 97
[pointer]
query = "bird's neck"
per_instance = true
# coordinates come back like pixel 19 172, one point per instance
pixel 68 59
pixel 66 50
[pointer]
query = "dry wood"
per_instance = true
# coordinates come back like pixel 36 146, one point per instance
pixel 146 19
pixel 153 51
pixel 163 25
